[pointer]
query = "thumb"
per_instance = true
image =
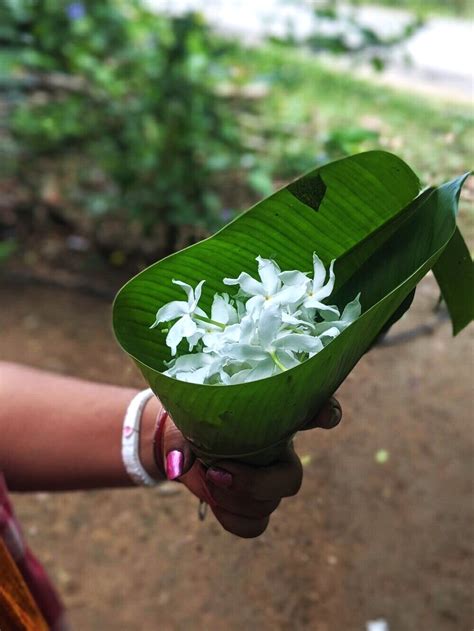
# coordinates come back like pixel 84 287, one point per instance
pixel 328 416
pixel 176 451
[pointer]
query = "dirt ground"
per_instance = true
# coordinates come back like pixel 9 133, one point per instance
pixel 362 540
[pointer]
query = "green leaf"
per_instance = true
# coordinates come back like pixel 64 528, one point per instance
pixel 364 211
pixel 454 272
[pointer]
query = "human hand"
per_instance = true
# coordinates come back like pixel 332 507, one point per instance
pixel 242 497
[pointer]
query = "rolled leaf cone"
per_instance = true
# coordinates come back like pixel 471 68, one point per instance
pixel 365 211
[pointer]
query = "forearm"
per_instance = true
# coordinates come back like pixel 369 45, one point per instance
pixel 59 433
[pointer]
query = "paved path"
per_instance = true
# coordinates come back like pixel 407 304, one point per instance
pixel 440 53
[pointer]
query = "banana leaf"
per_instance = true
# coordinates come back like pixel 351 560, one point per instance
pixel 365 211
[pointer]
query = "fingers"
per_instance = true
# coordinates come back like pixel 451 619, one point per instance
pixel 244 497
pixel 241 505
pixel 238 515
pixel 195 481
pixel 240 526
pixel 177 455
pixel 260 483
pixel 328 416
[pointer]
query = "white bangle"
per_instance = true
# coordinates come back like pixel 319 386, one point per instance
pixel 131 438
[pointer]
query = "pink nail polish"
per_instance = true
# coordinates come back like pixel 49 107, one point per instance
pixel 174 464
pixel 219 477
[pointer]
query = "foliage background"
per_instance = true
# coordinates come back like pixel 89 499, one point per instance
pixel 119 107
pixel 137 133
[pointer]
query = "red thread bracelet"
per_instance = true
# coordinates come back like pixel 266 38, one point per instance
pixel 158 440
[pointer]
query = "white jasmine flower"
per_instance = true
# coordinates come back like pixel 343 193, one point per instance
pixel 317 290
pixel 215 338
pixel 194 368
pixel 182 309
pixel 276 348
pixel 269 291
pixel 187 363
pixel 222 327
pixel 222 310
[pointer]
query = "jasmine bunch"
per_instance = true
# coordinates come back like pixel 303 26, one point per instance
pixel 271 325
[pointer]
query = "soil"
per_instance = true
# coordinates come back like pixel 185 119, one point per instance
pixel 363 539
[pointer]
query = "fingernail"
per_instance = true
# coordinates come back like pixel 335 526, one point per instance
pixel 174 464
pixel 336 413
pixel 219 477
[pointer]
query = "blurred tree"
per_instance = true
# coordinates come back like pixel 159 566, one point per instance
pixel 130 95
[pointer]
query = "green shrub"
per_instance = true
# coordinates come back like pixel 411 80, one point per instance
pixel 127 100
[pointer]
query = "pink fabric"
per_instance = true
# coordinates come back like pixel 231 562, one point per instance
pixel 34 574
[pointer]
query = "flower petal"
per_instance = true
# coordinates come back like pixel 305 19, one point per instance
pixel 248 329
pixel 264 369
pixel 321 327
pixel 231 310
pixel 186 363
pixel 197 293
pixel 255 305
pixel 193 294
pixel 187 288
pixel 293 320
pixel 332 315
pixel 268 326
pixel 298 343
pixel 216 339
pixel 184 327
pixel 326 290
pixel 248 285
pixel 268 271
pixel 244 352
pixel 314 303
pixel 196 376
pixel 198 311
pixel 240 377
pixel 194 339
pixel 352 310
pixel 294 277
pixel 287 359
pixel 170 311
pixel 289 295
pixel 220 310
pixel 319 272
